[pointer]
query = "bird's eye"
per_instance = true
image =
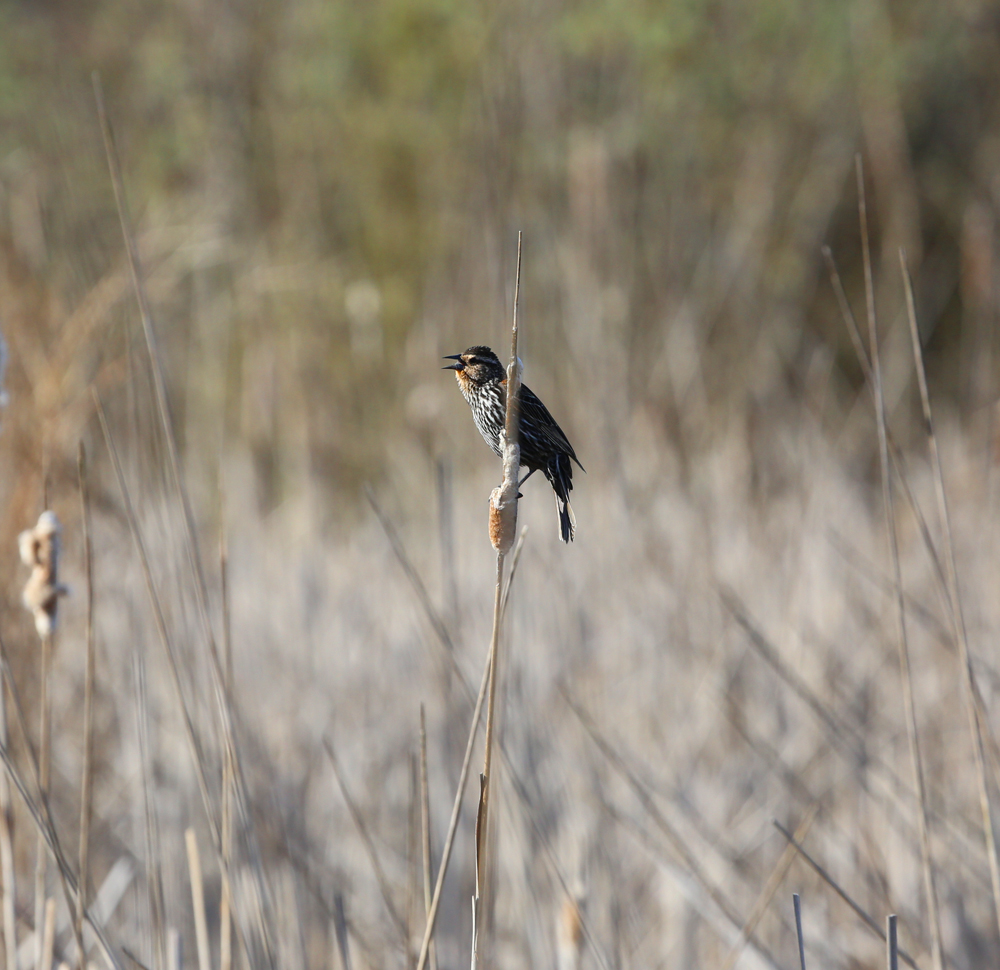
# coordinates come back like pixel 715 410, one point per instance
pixel 473 360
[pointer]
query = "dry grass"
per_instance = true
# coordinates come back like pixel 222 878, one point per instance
pixel 658 664
pixel 714 654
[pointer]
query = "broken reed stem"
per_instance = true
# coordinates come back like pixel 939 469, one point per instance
pixel 797 906
pixel 86 780
pixel 154 869
pixel 770 888
pixel 957 614
pixel 835 886
pixel 44 746
pixel 48 935
pixel 7 872
pixel 425 829
pixel 900 612
pixel 456 810
pixel 503 525
pixel 198 900
pixel 891 943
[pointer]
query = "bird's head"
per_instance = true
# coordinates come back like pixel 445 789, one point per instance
pixel 478 365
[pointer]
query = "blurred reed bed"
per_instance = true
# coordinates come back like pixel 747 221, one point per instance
pixel 702 707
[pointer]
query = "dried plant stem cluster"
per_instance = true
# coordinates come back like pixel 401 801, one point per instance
pixel 222 861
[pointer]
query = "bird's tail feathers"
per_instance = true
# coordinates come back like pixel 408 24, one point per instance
pixel 567 520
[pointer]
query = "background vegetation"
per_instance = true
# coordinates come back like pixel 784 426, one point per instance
pixel 327 197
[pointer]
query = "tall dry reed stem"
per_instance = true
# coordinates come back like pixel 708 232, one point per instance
pixel 900 612
pixel 956 612
pixel 40 549
pixel 151 828
pixel 44 752
pixel 225 901
pixel 41 815
pixel 503 529
pixel 191 736
pixel 86 773
pixel 260 895
pixel 425 830
pixel 198 899
pixel 456 810
pixel 7 871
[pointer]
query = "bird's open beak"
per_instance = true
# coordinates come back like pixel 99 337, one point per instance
pixel 457 366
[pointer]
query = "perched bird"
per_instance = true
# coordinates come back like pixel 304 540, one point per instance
pixel 483 382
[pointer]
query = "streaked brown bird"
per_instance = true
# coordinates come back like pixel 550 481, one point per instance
pixel 483 382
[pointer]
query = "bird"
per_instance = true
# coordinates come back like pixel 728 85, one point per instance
pixel 544 447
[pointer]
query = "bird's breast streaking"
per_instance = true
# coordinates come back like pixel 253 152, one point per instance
pixel 544 446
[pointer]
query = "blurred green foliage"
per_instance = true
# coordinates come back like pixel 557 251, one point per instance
pixel 668 162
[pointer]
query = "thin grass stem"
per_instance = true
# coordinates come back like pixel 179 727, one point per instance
pixel 198 900
pixel 862 914
pixel 956 612
pixel 906 678
pixel 86 773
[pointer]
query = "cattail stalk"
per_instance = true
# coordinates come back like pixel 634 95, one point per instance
pixel 503 529
pixel 86 780
pixel 7 871
pixel 957 614
pixel 906 678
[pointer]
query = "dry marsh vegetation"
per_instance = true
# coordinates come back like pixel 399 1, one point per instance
pixel 766 664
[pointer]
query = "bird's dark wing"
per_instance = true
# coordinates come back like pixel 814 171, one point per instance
pixel 535 415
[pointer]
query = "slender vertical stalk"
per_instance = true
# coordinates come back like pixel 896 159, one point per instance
pixel 770 888
pixel 891 943
pixel 154 877
pixel 456 810
pixel 41 814
pixel 198 900
pixel 425 828
pixel 44 746
pixel 175 950
pixel 797 906
pixel 48 935
pixel 262 911
pixel 86 779
pixel 7 847
pixel 225 902
pixel 957 615
pixel 503 538
pixel 901 640
pixel 7 870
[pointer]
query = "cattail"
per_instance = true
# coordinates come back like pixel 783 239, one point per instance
pixel 39 548
pixel 569 934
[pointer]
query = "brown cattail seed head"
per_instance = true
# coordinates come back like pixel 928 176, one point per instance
pixel 503 517
pixel 39 549
pixel 569 935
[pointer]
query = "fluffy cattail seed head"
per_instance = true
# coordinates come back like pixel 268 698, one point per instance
pixel 39 549
pixel 503 518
